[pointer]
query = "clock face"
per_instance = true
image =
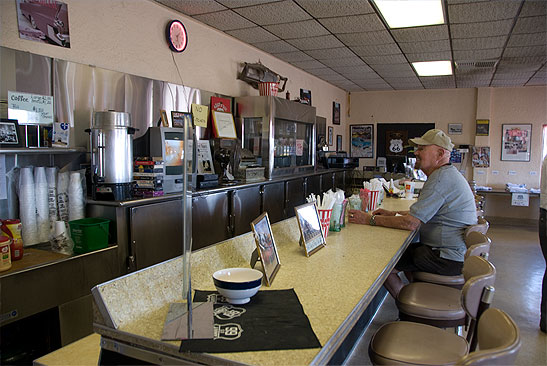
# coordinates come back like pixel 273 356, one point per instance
pixel 176 36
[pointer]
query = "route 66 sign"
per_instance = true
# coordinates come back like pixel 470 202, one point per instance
pixel 395 142
pixel 396 146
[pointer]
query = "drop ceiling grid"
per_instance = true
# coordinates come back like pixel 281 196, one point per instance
pixel 329 38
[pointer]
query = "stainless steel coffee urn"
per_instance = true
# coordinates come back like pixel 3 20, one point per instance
pixel 111 141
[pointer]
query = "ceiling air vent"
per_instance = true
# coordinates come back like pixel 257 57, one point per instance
pixel 476 64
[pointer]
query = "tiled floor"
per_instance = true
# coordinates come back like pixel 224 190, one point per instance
pixel 517 256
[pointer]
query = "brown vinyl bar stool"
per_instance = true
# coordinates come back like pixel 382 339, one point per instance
pixel 444 306
pixel 481 226
pixel 407 343
pixel 477 244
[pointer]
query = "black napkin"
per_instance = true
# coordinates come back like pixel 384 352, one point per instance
pixel 272 320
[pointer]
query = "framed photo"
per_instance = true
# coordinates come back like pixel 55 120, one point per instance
pixel 265 245
pixel 164 119
pixel 335 113
pixel 305 96
pixel 178 119
pixel 338 142
pixel 516 140
pixel 331 132
pixel 224 125
pixel 455 128
pixel 481 157
pixel 361 139
pixel 9 133
pixel 483 127
pixel 311 235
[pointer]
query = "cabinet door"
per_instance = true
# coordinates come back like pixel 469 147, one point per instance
pixel 327 181
pixel 313 185
pixel 156 232
pixel 295 195
pixel 273 201
pixel 245 208
pixel 339 180
pixel 210 219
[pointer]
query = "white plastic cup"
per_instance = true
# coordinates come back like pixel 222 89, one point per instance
pixel 60 228
pixel 409 190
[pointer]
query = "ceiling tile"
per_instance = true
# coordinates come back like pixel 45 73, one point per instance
pixel 431 33
pixel 253 35
pixel 377 50
pixel 307 28
pixel 333 77
pixel 525 51
pixel 530 25
pixel 409 86
pixel 482 11
pixel 537 81
pixel 395 73
pixel 511 75
pixel 335 8
pixel 308 65
pixel 242 3
pixel 429 56
pixel 342 52
pixel 477 72
pixel 371 83
pixel 438 82
pixel 536 61
pixel 530 39
pixel 481 29
pixel 508 83
pixel 193 7
pixel 315 43
pixel 393 68
pixel 385 59
pixel 364 76
pixel 275 47
pixel 531 8
pixel 352 24
pixel 429 46
pixel 323 72
pixel 478 43
pixel 274 13
pixel 355 88
pixel 365 39
pixel 485 54
pixel 293 56
pixel 400 80
pixel 344 62
pixel 473 83
pixel 352 70
pixel 225 20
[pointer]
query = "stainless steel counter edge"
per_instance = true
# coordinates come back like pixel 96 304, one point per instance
pixel 174 196
pixel 335 341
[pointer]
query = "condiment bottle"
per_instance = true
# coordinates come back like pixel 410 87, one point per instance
pixel 12 229
pixel 5 257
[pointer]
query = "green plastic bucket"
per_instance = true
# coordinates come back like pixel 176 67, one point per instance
pixel 89 234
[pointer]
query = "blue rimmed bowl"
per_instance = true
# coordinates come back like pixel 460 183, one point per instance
pixel 238 285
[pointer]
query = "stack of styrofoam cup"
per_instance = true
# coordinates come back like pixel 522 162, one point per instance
pixel 51 175
pixel 75 197
pixel 42 209
pixel 62 195
pixel 27 207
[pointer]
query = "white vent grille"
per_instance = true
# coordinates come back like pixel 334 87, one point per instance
pixel 476 64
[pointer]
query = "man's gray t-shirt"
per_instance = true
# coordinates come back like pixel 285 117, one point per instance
pixel 445 207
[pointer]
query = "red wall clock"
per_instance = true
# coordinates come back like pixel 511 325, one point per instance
pixel 176 35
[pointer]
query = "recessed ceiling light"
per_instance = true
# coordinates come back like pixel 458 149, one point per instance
pixel 433 68
pixel 411 13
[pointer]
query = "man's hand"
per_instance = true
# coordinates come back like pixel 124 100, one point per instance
pixel 359 217
pixel 383 212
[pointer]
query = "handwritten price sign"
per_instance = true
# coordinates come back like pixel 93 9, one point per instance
pixel 200 114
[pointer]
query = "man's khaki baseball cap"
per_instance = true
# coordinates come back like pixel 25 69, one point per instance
pixel 434 137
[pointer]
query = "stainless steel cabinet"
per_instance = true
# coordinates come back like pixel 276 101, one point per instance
pixel 246 206
pixel 210 219
pixel 273 199
pixel 156 232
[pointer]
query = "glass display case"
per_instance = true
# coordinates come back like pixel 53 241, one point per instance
pixel 279 133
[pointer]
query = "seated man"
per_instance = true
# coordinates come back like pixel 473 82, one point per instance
pixel 445 207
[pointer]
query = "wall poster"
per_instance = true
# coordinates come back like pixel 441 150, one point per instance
pixel 361 137
pixel 335 113
pixel 516 142
pixel 481 157
pixel 483 127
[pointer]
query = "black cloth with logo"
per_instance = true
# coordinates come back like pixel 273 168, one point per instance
pixel 272 320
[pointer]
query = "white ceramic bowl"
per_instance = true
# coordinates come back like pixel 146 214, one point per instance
pixel 238 285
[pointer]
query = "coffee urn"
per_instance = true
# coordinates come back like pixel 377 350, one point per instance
pixel 111 141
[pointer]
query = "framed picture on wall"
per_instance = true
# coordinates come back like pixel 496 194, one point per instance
pixel 455 128
pixel 335 113
pixel 9 133
pixel 516 141
pixel 361 141
pixel 483 127
pixel 331 132
pixel 338 142
pixel 481 157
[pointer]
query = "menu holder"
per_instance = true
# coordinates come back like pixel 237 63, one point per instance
pixel 224 125
pixel 266 251
pixel 311 235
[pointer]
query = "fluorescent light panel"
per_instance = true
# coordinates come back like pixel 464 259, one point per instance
pixel 433 68
pixel 411 13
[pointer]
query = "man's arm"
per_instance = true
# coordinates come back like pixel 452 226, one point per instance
pixel 404 222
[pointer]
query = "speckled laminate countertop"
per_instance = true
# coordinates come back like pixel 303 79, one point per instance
pixel 330 284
